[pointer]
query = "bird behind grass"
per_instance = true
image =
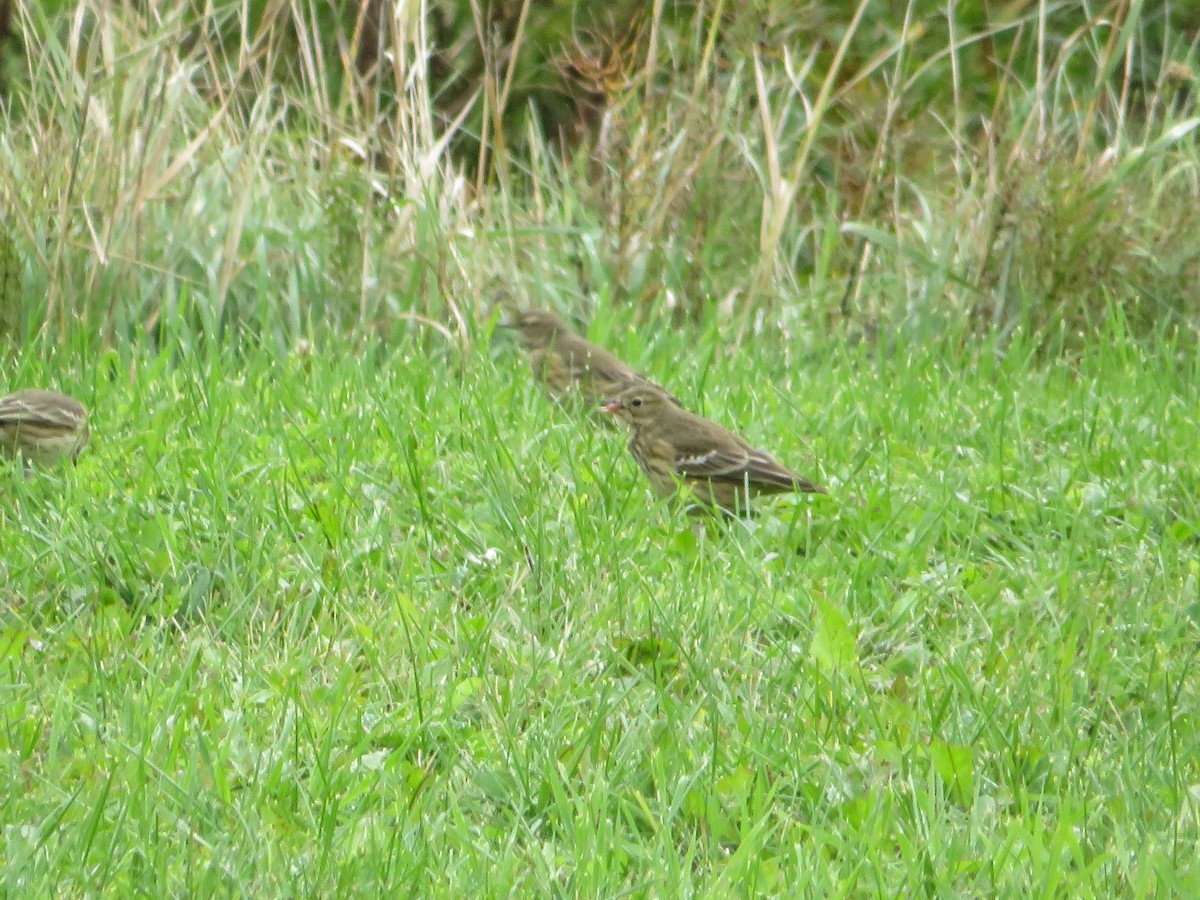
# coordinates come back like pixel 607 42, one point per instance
pixel 679 449
pixel 42 427
pixel 565 363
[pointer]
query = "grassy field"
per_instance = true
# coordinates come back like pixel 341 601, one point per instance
pixel 294 626
pixel 336 602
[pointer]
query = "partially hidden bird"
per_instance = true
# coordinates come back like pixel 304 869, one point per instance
pixel 564 362
pixel 42 426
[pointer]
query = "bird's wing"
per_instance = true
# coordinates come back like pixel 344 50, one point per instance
pixel 765 470
pixel 723 463
pixel 585 357
pixel 17 410
pixel 733 464
pixel 607 372
pixel 552 370
pixel 611 375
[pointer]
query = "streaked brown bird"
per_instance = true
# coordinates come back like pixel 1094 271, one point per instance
pixel 565 362
pixel 42 426
pixel 677 448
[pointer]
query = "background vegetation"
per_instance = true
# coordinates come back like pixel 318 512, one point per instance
pixel 336 600
pixel 880 167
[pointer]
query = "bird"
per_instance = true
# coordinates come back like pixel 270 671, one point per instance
pixel 565 362
pixel 42 426
pixel 677 448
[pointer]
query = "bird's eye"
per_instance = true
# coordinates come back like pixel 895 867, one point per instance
pixel 637 401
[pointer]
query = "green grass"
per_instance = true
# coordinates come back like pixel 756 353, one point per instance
pixel 336 602
pixel 300 627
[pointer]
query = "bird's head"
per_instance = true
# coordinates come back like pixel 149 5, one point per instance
pixel 639 403
pixel 538 328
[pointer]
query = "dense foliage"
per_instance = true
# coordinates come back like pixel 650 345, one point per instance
pixel 874 168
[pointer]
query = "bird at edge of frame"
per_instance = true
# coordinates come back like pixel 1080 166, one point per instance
pixel 566 363
pixel 678 449
pixel 42 427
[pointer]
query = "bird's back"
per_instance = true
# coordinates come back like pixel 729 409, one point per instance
pixel 734 459
pixel 34 405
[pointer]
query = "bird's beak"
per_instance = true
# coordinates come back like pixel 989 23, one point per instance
pixel 612 406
